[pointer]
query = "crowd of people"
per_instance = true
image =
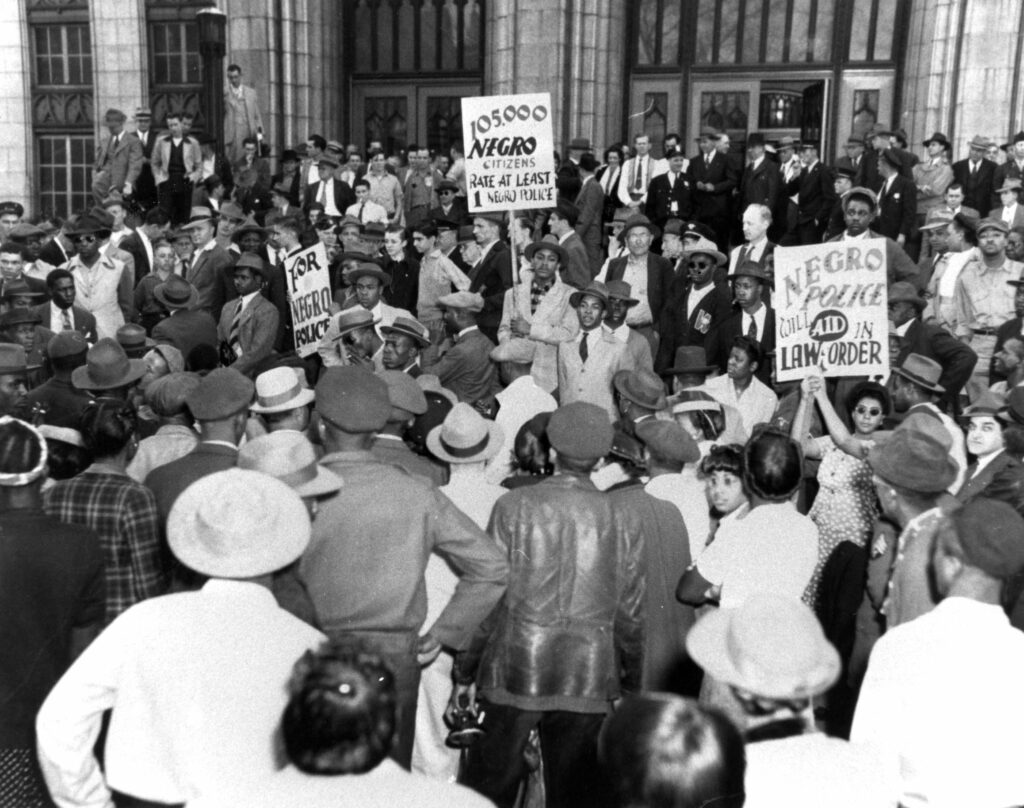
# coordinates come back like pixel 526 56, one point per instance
pixel 536 523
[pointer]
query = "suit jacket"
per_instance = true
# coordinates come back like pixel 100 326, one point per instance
pixel 52 253
pixel 490 278
pixel 899 267
pixel 296 186
pixel 1007 171
pixel 1018 216
pixel 457 212
pixel 678 330
pixel 816 194
pixel 761 185
pixel 275 214
pixel 204 274
pixel 466 368
pixel 192 156
pixel 957 358
pixel 611 196
pixel 257 332
pixel 122 163
pixel 81 320
pixel 897 209
pixel 185 330
pixel 343 195
pixel 132 244
pixel 719 343
pixel 661 196
pixel 592 381
pixel 253 120
pixel 577 272
pixel 589 226
pixel 659 281
pixel 978 188
pixel 722 173
pixel 168 481
pixel 974 485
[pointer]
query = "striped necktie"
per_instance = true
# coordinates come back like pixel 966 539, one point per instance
pixel 235 321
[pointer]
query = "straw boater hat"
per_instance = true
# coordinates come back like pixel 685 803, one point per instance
pixel 238 524
pixel 290 458
pixel 465 436
pixel 771 646
pixel 197 216
pixel 410 328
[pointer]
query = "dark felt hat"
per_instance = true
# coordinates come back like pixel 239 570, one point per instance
pixel 580 431
pixel 353 399
pixel 222 393
pixel 107 366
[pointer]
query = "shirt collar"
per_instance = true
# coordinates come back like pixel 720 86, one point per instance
pixel 465 331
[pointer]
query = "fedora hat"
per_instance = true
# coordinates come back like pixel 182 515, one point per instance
pixel 20 288
pixel 133 339
pixel 771 646
pixel 547 243
pixel 431 383
pixel 914 459
pixel 756 139
pixel 904 292
pixel 593 289
pixel 937 218
pixel 846 172
pixel 232 211
pixel 788 142
pixel 367 269
pixel 668 439
pixel 88 225
pixel 937 137
pixel 19 316
pixel 329 160
pixel 355 317
pixel 922 371
pixel 751 269
pixel 249 225
pixel 23 231
pixel 621 290
pixel 988 403
pixel 708 132
pixel 374 231
pixel 640 221
pixel 979 142
pixel 642 387
pixel 691 359
pixel 280 390
pixel 579 144
pixel 707 247
pixel 410 328
pixel 238 523
pixel 176 293
pixel 13 358
pixel 465 436
pixel 860 192
pixel 290 458
pixel 694 400
pixel 198 215
pixel 107 366
pixel 1009 184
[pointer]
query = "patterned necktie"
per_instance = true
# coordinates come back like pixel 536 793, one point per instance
pixel 233 333
pixel 752 329
pixel 584 351
pixel 65 320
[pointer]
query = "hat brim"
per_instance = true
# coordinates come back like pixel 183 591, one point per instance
pixel 422 341
pixel 935 225
pixel 708 643
pixel 920 302
pixel 653 229
pixel 354 274
pixel 83 380
pixel 935 388
pixel 196 223
pixel 535 247
pixel 193 298
pixel 576 297
pixel 705 369
pixel 719 257
pixel 325 482
pixel 629 301
pixel 304 397
pixel 495 440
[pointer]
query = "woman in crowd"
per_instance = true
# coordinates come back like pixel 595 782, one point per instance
pixel 845 507
pixel 532 452
pixel 722 472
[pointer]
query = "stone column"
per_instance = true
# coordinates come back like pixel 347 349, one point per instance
pixel 15 103
pixel 120 66
pixel 573 49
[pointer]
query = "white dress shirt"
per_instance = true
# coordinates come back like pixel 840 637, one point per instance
pixel 943 693
pixel 686 492
pixel 756 404
pixel 520 401
pixel 197 683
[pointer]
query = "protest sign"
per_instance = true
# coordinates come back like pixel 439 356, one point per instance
pixel 510 152
pixel 831 309
pixel 309 297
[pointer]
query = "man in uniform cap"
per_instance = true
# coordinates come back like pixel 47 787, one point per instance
pixel 249 324
pixel 669 195
pixel 118 158
pixel 568 639
pixel 465 367
pixel 843 179
pixel 713 176
pixel 407 401
pixel 859 208
pixel 220 406
pixel 956 755
pixel 384 515
pixel 984 299
pixel 179 730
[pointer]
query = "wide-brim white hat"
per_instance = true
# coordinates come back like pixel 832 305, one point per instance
pixel 465 436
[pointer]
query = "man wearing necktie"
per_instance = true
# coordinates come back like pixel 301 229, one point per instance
pixel 118 159
pixel 637 174
pixel 976 176
pixel 668 195
pixel 713 178
pixel 753 319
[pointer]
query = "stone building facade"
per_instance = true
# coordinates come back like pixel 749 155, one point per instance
pixel 395 70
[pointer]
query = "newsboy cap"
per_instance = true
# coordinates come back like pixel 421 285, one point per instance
pixel 353 399
pixel 222 393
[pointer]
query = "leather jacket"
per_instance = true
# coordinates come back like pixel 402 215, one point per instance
pixel 569 633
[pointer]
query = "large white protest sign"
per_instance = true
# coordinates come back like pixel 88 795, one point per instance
pixel 510 152
pixel 831 309
pixel 309 297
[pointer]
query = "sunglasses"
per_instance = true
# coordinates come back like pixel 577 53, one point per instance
pixel 700 264
pixel 85 239
pixel 872 411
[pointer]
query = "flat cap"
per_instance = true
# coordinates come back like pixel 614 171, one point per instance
pixel 991 223
pixel 404 393
pixel 66 343
pixel 222 393
pixel 580 431
pixel 353 399
pixel 668 440
pixel 991 534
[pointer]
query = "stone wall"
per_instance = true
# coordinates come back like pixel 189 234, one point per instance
pixel 15 127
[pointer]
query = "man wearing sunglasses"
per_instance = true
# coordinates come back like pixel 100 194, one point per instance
pixel 450 206
pixel 928 339
pixel 698 303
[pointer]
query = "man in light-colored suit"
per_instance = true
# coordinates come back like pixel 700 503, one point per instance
pixel 248 325
pixel 242 117
pixel 118 158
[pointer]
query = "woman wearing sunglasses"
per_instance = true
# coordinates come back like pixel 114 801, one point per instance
pixel 845 507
